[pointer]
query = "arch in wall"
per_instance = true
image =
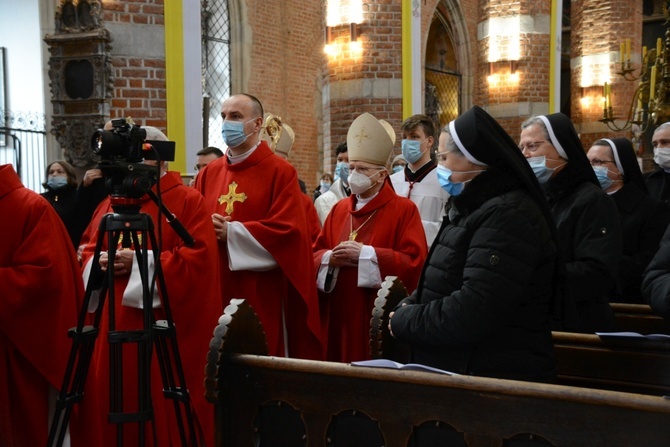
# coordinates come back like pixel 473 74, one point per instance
pixel 447 62
pixel 240 46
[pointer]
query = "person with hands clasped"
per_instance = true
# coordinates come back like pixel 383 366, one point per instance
pixel 371 234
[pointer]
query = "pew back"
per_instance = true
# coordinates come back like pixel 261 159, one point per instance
pixel 267 401
pixel 639 318
pixel 481 411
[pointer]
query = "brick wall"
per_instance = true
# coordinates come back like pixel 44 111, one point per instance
pixel 286 73
pixel 319 96
pixel 602 26
pixel 380 64
pixel 139 82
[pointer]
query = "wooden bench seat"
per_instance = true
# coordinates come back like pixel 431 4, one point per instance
pixel 639 318
pixel 267 401
pixel 639 366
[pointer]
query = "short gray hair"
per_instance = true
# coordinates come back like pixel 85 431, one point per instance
pixel 451 146
pixel 536 121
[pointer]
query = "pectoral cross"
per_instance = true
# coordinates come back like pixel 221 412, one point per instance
pixel 232 197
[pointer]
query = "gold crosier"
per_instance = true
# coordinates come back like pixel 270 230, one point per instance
pixel 232 197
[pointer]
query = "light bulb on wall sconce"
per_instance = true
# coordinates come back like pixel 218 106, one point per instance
pixel 491 78
pixel 334 49
pixel 512 76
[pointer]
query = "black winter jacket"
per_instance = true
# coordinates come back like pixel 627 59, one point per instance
pixel 656 282
pixel 590 244
pixel 484 297
pixel 643 220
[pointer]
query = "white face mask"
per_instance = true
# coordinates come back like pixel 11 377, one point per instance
pixel 662 157
pixel 359 183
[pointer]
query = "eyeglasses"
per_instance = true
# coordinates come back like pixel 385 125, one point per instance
pixel 597 162
pixel 531 147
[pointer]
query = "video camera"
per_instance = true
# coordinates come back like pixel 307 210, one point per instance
pixel 122 151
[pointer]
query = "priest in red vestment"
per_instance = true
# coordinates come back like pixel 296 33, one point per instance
pixel 265 252
pixel 194 299
pixel 41 290
pixel 369 235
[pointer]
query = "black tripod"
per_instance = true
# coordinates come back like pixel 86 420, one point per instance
pixel 127 221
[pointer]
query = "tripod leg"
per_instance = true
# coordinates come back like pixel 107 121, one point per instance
pixel 167 350
pixel 83 343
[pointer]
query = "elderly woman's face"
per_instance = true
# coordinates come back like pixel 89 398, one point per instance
pixel 603 156
pixel 462 169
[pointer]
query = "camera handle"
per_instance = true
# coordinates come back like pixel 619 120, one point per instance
pixel 162 333
pixel 172 220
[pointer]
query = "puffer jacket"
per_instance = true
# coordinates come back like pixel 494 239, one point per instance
pixel 484 299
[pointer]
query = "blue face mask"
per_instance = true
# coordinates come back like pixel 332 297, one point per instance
pixel 342 171
pixel 540 169
pixel 411 150
pixel 233 132
pixel 444 176
pixel 398 168
pixel 56 182
pixel 603 179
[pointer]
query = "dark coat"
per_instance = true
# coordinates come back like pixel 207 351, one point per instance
pixel 590 243
pixel 75 206
pixel 64 201
pixel 644 220
pixel 658 184
pixel 484 297
pixel 656 281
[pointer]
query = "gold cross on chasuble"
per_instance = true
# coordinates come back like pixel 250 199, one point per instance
pixel 231 198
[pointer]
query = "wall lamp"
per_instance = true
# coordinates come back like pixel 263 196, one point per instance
pixel 496 75
pixel 332 49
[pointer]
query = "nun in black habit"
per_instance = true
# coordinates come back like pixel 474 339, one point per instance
pixel 484 298
pixel 587 222
pixel 643 219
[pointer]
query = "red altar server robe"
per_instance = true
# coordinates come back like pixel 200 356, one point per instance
pixel 41 289
pixel 262 194
pixel 396 234
pixel 195 301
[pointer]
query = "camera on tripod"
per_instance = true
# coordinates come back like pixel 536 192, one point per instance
pixel 122 151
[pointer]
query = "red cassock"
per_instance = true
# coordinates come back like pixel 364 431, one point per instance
pixel 396 233
pixel 262 193
pixel 41 291
pixel 191 277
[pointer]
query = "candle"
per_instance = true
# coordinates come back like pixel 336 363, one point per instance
pixel 609 97
pixel 659 44
pixel 652 83
pixel 628 50
pixel 622 54
pixel 644 54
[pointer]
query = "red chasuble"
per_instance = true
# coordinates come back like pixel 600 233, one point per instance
pixel 191 276
pixel 41 290
pixel 396 233
pixel 262 193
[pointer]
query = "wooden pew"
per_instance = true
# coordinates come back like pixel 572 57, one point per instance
pixel 639 366
pixel 269 401
pixel 639 318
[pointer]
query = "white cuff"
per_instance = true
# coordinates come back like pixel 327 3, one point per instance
pixel 245 252
pixel 368 268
